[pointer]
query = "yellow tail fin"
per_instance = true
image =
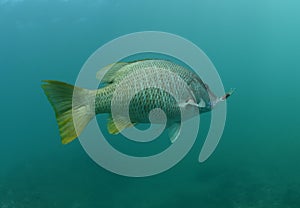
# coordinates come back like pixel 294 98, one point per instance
pixel 60 95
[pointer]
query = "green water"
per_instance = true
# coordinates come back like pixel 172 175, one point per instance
pixel 255 48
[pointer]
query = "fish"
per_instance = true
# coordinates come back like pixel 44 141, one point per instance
pixel 118 81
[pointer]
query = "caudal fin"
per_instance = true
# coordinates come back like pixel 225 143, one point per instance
pixel 60 95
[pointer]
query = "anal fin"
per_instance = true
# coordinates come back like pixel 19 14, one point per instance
pixel 118 124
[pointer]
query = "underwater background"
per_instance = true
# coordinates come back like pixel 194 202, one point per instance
pixel 255 47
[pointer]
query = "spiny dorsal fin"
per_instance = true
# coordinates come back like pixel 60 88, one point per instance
pixel 118 124
pixel 110 72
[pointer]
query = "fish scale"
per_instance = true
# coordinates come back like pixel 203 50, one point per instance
pixel 148 99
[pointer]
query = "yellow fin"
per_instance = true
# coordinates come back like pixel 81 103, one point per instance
pixel 60 95
pixel 118 124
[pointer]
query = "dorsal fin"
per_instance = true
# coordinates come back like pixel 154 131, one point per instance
pixel 110 72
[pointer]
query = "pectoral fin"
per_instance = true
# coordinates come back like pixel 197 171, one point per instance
pixel 118 124
pixel 174 132
pixel 193 103
pixel 201 104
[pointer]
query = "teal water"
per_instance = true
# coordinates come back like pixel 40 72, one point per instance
pixel 255 48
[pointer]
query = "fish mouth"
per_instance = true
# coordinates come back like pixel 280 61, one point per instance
pixel 216 99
